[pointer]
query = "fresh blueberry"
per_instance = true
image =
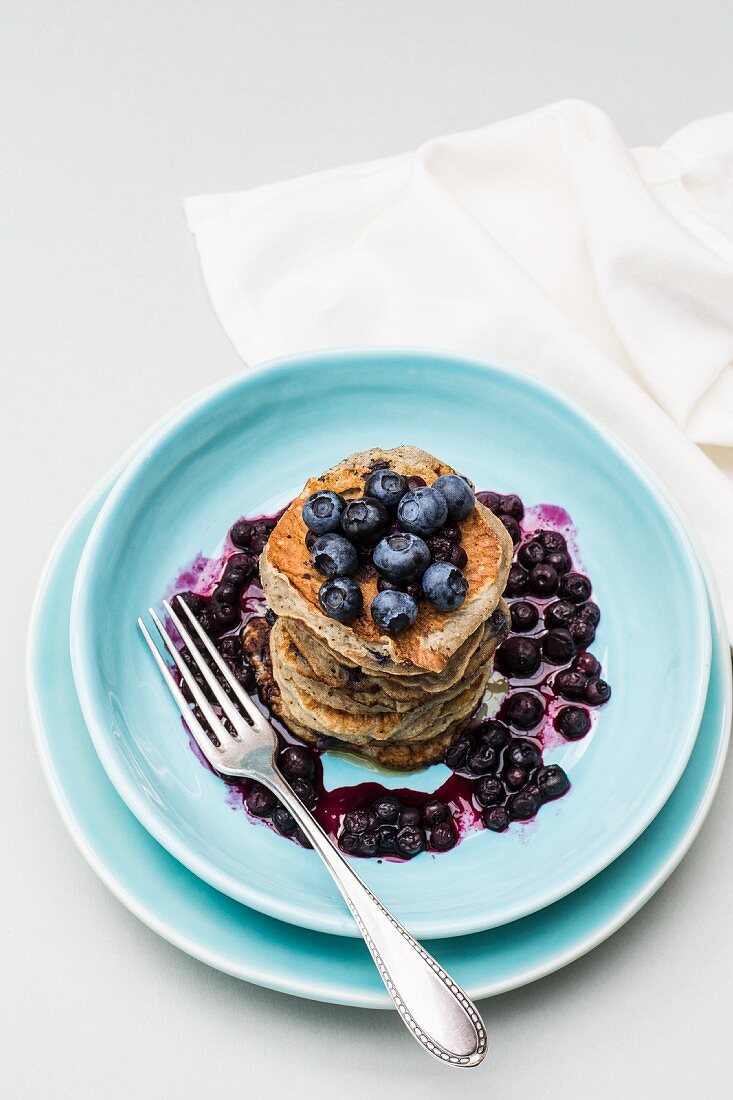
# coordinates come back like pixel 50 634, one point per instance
pixel 296 762
pixel 511 505
pixel 583 631
pixel 552 782
pixel 422 511
pixel 587 664
pixel 393 611
pixel 517 581
pixel 489 500
pixel 572 722
pixel 387 808
pixel 597 692
pixel 513 777
pixel 387 839
pixel 455 756
pixel 364 520
pixel 518 657
pixel 552 541
pixel 341 599
pixel 322 512
pixel 334 556
pixel 410 841
pixel 512 527
pixel 482 759
pixel 543 580
pixel 570 683
pixel 559 561
pixel 443 836
pixel 558 646
pixel 575 587
pixel 401 558
pixel 531 553
pixel 493 733
pixel 409 815
pixel 284 821
pixel 523 805
pixel 497 819
pixel 525 616
pixel 260 801
pixel 459 496
pixel 489 790
pixel 434 811
pixel 559 614
pixel 522 754
pixel 387 486
pixel 523 710
pixel 444 585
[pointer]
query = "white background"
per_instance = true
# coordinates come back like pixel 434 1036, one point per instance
pixel 112 113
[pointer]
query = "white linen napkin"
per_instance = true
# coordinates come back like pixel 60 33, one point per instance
pixel 541 243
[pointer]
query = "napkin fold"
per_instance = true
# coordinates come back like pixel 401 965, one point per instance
pixel 541 243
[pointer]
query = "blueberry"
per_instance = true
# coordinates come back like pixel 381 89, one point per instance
pixel 410 841
pixel 455 756
pixel 322 512
pixel 559 614
pixel 241 534
pixel 387 839
pixel 368 845
pixel 512 527
pixel 409 815
pixel 358 821
pixel 523 710
pixel 523 805
pixel 575 587
pixel 513 777
pixel 296 762
pixel 489 500
pixel 413 589
pixel 443 836
pixel 572 722
pixel 422 511
pixel 497 819
pixel 531 553
pixel 305 791
pixel 570 683
pixel 552 541
pixel 284 821
pixel 196 603
pixel 393 611
pixel 364 520
pixel 459 557
pixel 587 664
pixel 481 759
pixel 597 692
pixel 558 646
pixel 525 616
pixel 451 532
pixel 387 808
pixel 245 676
pixel 522 754
pixel 341 599
pixel 444 585
pixel 334 556
pixel 590 611
pixel 517 582
pixel 459 496
pixel 518 657
pixel 511 505
pixel 434 811
pixel 302 839
pixel 559 561
pixel 387 486
pixel 231 647
pixel 583 631
pixel 414 481
pixel 493 733
pixel 543 580
pixel 225 615
pixel 498 622
pixel 441 549
pixel 350 843
pixel 489 790
pixel 260 801
pixel 225 592
pixel 401 558
pixel 552 782
pixel 261 531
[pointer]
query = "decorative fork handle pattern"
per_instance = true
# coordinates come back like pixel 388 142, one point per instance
pixel 436 1010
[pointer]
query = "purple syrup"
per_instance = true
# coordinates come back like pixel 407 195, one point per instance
pixel 458 808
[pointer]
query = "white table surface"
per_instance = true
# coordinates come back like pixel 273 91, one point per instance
pixel 113 112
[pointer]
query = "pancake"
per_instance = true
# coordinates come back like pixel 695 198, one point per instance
pixel 291 583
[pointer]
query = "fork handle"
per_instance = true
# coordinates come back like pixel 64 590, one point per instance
pixel 433 1007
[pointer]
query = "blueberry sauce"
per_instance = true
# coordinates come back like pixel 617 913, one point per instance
pixel 551 688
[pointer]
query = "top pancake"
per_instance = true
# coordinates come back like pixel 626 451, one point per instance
pixel 291 583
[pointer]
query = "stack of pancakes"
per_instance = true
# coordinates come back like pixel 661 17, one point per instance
pixel 399 700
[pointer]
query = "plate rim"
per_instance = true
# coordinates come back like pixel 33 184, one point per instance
pixel 311 990
pixel 338 921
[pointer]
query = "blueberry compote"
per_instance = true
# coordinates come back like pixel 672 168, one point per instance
pixel 550 686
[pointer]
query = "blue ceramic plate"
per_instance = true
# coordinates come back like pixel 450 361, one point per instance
pixel 247 447
pixel 242 942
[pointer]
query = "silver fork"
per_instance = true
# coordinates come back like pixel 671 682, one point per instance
pixel 433 1007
